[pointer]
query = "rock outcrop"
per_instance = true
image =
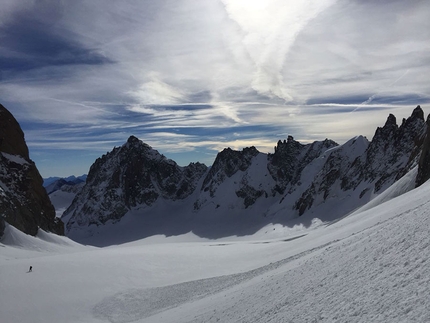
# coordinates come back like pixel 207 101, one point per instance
pixel 226 164
pixel 24 202
pixel 424 162
pixel 291 157
pixel 394 149
pixel 360 167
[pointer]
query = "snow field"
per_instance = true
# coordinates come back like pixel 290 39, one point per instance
pixel 372 277
pixel 370 266
pixel 379 274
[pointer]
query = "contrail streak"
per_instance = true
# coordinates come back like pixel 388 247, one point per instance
pixel 370 99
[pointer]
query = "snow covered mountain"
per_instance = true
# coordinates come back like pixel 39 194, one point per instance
pixel 53 184
pixel 129 176
pixel 245 189
pixel 62 191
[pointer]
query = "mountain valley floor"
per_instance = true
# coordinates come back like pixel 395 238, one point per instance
pixel 370 266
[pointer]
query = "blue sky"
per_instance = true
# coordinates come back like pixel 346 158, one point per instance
pixel 193 77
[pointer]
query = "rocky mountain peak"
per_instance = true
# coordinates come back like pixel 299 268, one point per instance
pixel 11 135
pixel 231 160
pixel 290 158
pixel 418 113
pixel 391 120
pixel 132 139
pixel 226 164
pixel 24 202
pixel 415 120
pixel 286 151
pixel 134 143
pixel 393 150
pixel 128 176
pixel 424 162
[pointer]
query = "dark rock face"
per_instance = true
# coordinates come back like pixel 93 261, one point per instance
pixel 424 162
pixel 334 173
pixel 259 176
pixel 393 151
pixel 24 202
pixel 291 157
pixel 249 194
pixel 131 175
pixel 11 136
pixel 226 164
pixel 2 226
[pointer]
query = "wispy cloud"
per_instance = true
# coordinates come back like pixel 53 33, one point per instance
pixel 270 29
pixel 198 76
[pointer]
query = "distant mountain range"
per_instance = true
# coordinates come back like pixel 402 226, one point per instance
pixel 137 190
pixel 70 179
pixel 62 191
pixel 53 184
pixel 134 191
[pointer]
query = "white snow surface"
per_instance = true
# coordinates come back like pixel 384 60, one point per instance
pixel 15 158
pixel 370 266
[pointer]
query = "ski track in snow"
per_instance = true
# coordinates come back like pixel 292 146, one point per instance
pixel 329 283
pixel 135 304
pixel 389 284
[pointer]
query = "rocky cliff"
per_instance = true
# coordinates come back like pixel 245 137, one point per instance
pixel 360 168
pixel 24 202
pixel 424 158
pixel 128 176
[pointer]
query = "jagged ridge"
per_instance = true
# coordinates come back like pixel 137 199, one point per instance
pixel 297 178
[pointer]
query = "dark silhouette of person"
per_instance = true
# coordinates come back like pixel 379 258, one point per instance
pixel 31 268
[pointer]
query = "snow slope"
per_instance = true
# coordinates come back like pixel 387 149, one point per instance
pixel 370 266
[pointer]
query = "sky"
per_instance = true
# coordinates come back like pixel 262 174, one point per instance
pixel 191 78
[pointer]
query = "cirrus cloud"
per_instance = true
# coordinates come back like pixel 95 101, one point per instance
pixel 195 76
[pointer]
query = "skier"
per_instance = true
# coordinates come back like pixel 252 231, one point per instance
pixel 31 269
